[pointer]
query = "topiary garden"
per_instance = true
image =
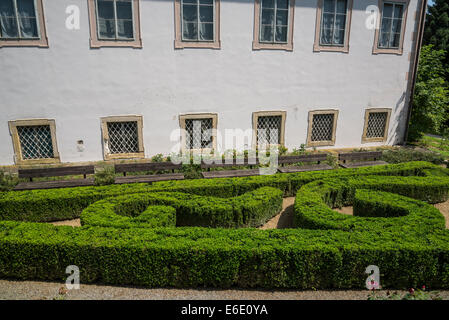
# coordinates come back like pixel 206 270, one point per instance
pixel 202 233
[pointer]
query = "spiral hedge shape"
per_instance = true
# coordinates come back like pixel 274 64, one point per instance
pixel 198 233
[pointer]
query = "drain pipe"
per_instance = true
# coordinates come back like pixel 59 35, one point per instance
pixel 418 44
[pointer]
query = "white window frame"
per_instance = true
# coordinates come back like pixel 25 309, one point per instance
pixel 116 38
pixel 275 25
pixel 36 13
pixel 403 5
pixel 198 5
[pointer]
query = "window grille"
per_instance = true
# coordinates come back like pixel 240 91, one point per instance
pixel 123 137
pixel 199 133
pixel 269 130
pixel 376 124
pixel 391 28
pixel 322 127
pixel 35 142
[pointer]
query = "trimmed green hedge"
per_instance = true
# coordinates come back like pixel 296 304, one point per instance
pixel 331 250
pixel 67 203
pixel 251 209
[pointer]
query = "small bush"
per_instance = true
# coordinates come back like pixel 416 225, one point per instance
pixel 7 181
pixel 105 176
pixel 406 155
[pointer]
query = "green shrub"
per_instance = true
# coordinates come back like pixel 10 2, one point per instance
pixel 104 176
pixel 405 155
pixel 248 210
pixel 7 181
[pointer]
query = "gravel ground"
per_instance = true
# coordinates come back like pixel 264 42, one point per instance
pixel 284 219
pixel 34 290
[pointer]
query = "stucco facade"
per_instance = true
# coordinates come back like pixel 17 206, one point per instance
pixel 77 85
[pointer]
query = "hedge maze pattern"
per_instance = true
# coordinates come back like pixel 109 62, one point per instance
pixel 201 232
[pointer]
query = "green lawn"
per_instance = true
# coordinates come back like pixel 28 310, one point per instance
pixel 435 144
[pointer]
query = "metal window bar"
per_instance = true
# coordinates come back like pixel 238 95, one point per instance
pixel 17 20
pixel 274 24
pixel 322 127
pixel 123 137
pixel 376 124
pixel 391 32
pixel 198 5
pixel 117 37
pixel 199 133
pixel 269 130
pixel 334 25
pixel 35 142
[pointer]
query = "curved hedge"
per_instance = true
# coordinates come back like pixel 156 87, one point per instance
pixel 251 209
pixel 410 246
pixel 68 203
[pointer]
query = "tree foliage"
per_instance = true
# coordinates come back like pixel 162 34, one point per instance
pixel 430 104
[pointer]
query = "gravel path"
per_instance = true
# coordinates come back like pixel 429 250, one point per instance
pixel 34 290
pixel 284 219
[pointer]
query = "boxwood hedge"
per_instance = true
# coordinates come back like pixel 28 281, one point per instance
pixel 329 250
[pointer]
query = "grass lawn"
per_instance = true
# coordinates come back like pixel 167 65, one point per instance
pixel 436 144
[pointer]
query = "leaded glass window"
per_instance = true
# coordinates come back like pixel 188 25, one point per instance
pixel 377 122
pixel 35 142
pixel 123 137
pixel 333 22
pixel 198 20
pixel 18 19
pixel 269 130
pixel 391 26
pixel 322 127
pixel 115 19
pixel 274 21
pixel 199 133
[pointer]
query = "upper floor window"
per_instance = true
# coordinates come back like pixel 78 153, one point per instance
pixel 390 34
pixel 22 23
pixel 197 23
pixel 333 24
pixel 114 23
pixel 273 24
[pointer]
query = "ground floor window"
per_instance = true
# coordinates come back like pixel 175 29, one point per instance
pixel 198 131
pixel 322 128
pixel 376 125
pixel 122 137
pixel 34 141
pixel 269 128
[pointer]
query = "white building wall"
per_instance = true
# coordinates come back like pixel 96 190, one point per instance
pixel 76 85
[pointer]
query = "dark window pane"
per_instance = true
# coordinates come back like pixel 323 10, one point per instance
pixel 266 34
pixel 124 10
pixel 395 38
pixel 329 6
pixel 206 14
pixel 8 20
pixel 388 10
pixel 206 31
pixel 190 1
pixel 267 3
pixel 281 34
pixel 398 11
pixel 208 2
pixel 397 24
pixel 282 4
pixel 27 19
pixel 268 16
pixel 190 13
pixel 340 21
pixel 328 20
pixel 190 31
pixel 105 9
pixel 326 36
pixel 125 29
pixel 341 6
pixel 282 17
pixel 339 37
